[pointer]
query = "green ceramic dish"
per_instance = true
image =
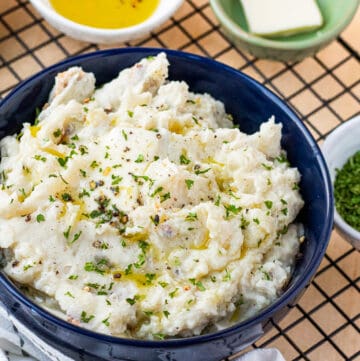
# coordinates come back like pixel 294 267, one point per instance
pixel 337 15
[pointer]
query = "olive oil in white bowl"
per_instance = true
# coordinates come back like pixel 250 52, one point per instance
pixel 106 21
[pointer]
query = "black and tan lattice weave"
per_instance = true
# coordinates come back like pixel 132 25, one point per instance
pixel 324 90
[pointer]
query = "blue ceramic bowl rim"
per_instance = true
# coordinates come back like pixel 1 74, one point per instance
pixel 281 302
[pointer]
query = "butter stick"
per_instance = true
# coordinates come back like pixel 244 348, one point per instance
pixel 282 17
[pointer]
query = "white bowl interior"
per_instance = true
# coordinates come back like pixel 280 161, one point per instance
pixel 338 147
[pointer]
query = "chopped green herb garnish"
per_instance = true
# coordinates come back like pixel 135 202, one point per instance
pixel 231 193
pixel 104 245
pixel 141 261
pixel 62 178
pixel 227 276
pixel 94 164
pixel 164 197
pixel 231 209
pixel 115 180
pixel 283 230
pixel 156 191
pixel 266 275
pixel 198 284
pixel 37 113
pixel 144 246
pixel 184 160
pixel 347 191
pixel 57 133
pixel 93 285
pixel 282 159
pixel 98 267
pixel 106 321
pixel 195 120
pixel 150 277
pixel 268 204
pixel 124 134
pixel 40 218
pixel 198 171
pixel 295 187
pixel 172 294
pixel 66 197
pixel 267 167
pixel 244 222
pixel 128 269
pixel 132 301
pixel 144 177
pixel 76 237
pixel 217 202
pixel 189 183
pixel 39 157
pixel 67 233
pixel 83 150
pixel 139 159
pixel 62 161
pixel 191 217
pixel 84 193
pixel 85 318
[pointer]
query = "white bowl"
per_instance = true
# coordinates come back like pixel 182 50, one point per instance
pixel 338 147
pixel 164 11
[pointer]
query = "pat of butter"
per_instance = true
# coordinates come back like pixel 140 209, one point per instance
pixel 281 17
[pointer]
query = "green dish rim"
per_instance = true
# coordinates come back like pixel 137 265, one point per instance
pixel 286 45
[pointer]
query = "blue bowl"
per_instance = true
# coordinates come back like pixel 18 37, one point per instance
pixel 251 104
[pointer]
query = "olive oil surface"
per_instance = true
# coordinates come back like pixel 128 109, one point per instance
pixel 106 14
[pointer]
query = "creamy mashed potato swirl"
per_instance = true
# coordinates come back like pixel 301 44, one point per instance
pixel 142 212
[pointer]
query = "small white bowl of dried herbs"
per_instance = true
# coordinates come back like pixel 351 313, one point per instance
pixel 341 150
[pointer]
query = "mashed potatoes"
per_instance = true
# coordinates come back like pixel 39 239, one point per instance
pixel 142 212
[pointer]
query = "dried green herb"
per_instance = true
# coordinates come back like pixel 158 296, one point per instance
pixel 347 191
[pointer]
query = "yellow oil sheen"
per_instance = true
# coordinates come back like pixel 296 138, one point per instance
pixel 53 152
pixel 106 14
pixel 139 279
pixel 34 129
